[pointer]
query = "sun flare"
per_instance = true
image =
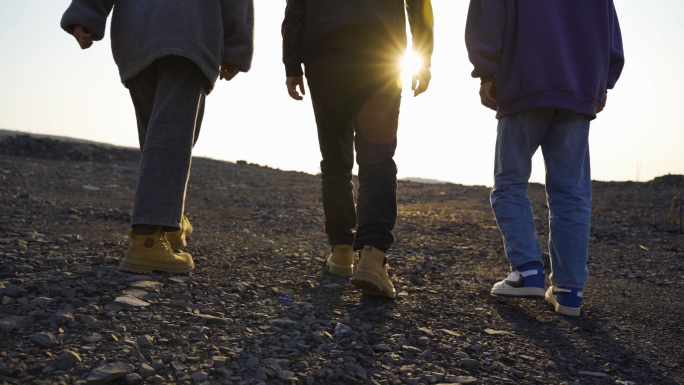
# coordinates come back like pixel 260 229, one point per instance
pixel 410 64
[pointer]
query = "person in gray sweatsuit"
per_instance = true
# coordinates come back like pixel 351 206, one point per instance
pixel 169 56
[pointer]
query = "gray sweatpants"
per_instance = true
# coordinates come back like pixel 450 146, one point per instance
pixel 169 100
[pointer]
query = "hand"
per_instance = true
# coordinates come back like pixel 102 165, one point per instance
pixel 421 81
pixel 487 98
pixel 228 70
pixel 292 83
pixel 603 103
pixel 83 36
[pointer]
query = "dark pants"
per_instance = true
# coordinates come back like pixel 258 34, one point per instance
pixel 356 96
pixel 169 100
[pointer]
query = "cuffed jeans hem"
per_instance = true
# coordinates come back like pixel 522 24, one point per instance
pixel 154 222
pixel 570 285
pixel 337 240
pixel 384 247
pixel 528 260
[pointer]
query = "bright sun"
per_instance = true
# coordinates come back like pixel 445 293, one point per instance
pixel 410 64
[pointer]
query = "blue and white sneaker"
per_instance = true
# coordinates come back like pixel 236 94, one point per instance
pixel 525 281
pixel 566 301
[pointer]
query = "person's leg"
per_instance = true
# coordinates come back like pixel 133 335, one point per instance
pixel 568 187
pixel 376 141
pixel 518 137
pixel 377 98
pixel 326 78
pixel 167 140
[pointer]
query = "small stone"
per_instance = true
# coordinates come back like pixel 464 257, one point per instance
pixel 593 374
pixel 252 362
pixel 147 285
pixel 137 293
pixel 166 357
pixel 93 338
pixel 381 348
pixel 133 379
pixel 468 363
pixel 286 375
pixel 108 373
pixel 284 322
pixel 11 290
pixel 145 370
pixel 355 369
pixel 44 340
pixel 219 361
pixel 10 323
pixel 199 376
pixel 212 320
pixel 464 380
pixel 66 359
pixel 61 317
pixel 127 301
pixel 156 379
pixel 145 342
pixel 496 332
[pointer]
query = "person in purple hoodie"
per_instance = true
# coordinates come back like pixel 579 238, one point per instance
pixel 545 66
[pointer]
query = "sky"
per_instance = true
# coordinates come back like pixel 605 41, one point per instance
pixel 48 85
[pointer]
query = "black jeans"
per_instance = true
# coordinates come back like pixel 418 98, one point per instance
pixel 169 100
pixel 356 95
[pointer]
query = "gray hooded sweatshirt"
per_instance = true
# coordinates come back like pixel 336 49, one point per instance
pixel 204 31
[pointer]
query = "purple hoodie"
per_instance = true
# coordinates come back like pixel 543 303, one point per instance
pixel 545 53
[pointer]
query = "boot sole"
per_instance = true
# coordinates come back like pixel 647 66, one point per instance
pixel 524 292
pixel 146 267
pixel 370 283
pixel 570 311
pixel 341 270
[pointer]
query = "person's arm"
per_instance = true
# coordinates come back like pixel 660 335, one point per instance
pixel 238 39
pixel 293 33
pixel 293 50
pixel 422 23
pixel 484 37
pixel 617 56
pixel 87 20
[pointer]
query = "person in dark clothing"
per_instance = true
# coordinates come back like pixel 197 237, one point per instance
pixel 351 51
pixel 545 66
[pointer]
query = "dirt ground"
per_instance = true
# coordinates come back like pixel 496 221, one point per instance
pixel 260 307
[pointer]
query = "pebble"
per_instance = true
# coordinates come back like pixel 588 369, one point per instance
pixel 133 379
pixel 66 359
pixel 127 301
pixel 108 373
pixel 10 323
pixel 44 340
pixel 147 285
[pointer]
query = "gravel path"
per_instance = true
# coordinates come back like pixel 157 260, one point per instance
pixel 260 308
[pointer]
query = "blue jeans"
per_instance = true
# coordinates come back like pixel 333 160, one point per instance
pixel 169 100
pixel 564 139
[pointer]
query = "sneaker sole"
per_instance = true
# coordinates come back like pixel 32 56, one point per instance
pixel 341 270
pixel 570 311
pixel 370 283
pixel 146 267
pixel 523 292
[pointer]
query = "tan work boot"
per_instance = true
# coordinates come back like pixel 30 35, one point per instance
pixel 341 260
pixel 177 239
pixel 148 253
pixel 371 273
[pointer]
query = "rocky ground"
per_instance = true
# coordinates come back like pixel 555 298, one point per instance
pixel 260 308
